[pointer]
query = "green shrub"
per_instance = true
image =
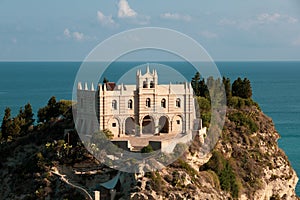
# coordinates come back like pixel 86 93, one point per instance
pixel 226 174
pixel 204 104
pixel 238 103
pixel 206 116
pixel 205 110
pixel 108 134
pixel 147 149
pixel 190 170
pixel 157 183
pixel 240 119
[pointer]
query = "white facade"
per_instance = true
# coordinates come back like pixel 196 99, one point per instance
pixel 145 108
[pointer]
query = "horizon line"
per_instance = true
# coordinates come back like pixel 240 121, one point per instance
pixel 221 60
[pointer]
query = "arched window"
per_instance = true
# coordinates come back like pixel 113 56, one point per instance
pixel 145 85
pixel 151 84
pixel 163 103
pixel 114 104
pixel 148 102
pixel 130 104
pixel 178 103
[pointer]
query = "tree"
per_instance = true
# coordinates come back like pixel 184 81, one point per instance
pixel 237 87
pixel 65 109
pixel 227 86
pixel 204 92
pixel 6 123
pixel 242 88
pixel 15 128
pixel 50 111
pixel 42 114
pixel 25 117
pixel 195 84
pixel 28 115
pixel 105 80
pixel 247 89
pixel 53 110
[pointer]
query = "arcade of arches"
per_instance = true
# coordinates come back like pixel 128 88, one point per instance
pixel 152 126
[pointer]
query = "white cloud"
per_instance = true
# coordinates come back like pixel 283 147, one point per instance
pixel 275 17
pixel 78 36
pixel 292 20
pixel 208 34
pixel 75 35
pixel 176 16
pixel 261 19
pixel 105 20
pixel 267 18
pixel 67 33
pixel 124 10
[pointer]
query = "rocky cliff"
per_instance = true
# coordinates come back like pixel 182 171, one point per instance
pixel 246 163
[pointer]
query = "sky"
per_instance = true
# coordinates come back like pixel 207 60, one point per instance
pixel 67 30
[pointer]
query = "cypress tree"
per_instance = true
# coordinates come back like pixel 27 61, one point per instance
pixel 6 123
pixel 242 88
pixel 28 115
pixel 227 86
pixel 52 108
pixel 247 90
pixel 195 84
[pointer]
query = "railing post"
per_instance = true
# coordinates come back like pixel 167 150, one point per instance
pixel 97 195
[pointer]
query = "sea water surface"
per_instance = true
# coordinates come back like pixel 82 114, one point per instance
pixel 276 87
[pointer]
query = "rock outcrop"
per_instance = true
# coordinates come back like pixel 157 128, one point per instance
pixel 245 164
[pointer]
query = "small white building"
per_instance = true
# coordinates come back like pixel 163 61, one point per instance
pixel 144 108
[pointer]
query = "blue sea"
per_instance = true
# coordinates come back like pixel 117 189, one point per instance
pixel 276 87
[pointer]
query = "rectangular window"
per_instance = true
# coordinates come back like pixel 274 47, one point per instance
pixel 114 125
pixel 178 121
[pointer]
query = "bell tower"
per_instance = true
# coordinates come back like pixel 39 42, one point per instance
pixel 147 81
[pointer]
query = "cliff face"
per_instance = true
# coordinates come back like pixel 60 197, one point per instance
pixel 245 164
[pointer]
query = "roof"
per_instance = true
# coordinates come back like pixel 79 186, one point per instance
pixel 110 86
pixel 111 184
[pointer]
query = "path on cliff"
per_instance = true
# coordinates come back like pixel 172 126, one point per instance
pixel 63 178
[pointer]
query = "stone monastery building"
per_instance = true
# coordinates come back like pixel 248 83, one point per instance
pixel 146 108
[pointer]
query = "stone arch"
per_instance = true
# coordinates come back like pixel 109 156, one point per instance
pixel 163 123
pixel 114 126
pixel 129 126
pixel 148 125
pixel 177 124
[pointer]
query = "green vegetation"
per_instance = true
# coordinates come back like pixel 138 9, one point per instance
pixel 147 149
pixel 226 175
pixel 238 94
pixel 241 119
pixel 199 86
pixel 108 134
pixel 156 181
pixel 55 109
pixel 17 126
pixel 205 110
pixel 242 88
